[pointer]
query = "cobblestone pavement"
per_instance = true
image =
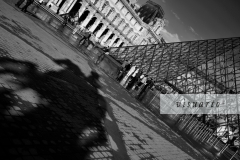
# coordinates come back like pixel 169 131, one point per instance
pixel 55 104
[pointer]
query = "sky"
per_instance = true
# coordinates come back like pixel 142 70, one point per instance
pixel 189 20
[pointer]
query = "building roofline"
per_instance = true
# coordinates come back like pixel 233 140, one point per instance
pixel 157 5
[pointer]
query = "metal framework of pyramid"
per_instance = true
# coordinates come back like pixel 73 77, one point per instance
pixel 193 67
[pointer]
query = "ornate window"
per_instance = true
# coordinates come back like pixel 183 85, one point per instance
pixel 134 37
pixel 116 16
pixel 111 11
pixel 100 4
pixel 120 22
pixel 129 31
pixel 105 5
pixel 125 27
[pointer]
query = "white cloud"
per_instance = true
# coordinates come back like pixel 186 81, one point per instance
pixel 169 37
pixel 163 1
pixel 166 22
pixel 175 14
pixel 133 1
pixel 191 29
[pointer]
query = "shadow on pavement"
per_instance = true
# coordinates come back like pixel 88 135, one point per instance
pixel 43 117
pixel 128 106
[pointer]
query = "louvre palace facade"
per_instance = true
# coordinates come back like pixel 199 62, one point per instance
pixel 115 23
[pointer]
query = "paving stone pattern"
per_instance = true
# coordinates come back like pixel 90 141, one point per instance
pixel 45 118
pixel 145 136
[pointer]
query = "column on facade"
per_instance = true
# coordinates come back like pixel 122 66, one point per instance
pixel 54 4
pixel 115 43
pixel 106 9
pixel 117 19
pixel 122 25
pixel 71 6
pixel 50 1
pixel 124 42
pixel 158 30
pixel 137 39
pixel 89 17
pixel 99 33
pixel 61 5
pixel 118 43
pixel 109 12
pixel 82 8
pixel 129 31
pixel 107 42
pixel 66 6
pixel 121 21
pixel 60 1
pixel 130 34
pixel 110 31
pixel 103 6
pixel 133 38
pixel 113 39
pixel 100 4
pixel 126 29
pixel 96 23
pixel 112 14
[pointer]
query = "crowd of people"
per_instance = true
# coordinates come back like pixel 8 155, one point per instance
pixel 134 80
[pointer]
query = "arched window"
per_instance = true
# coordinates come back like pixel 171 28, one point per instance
pixel 116 16
pixel 134 37
pixel 111 10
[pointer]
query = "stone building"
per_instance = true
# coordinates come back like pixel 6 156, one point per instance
pixel 115 22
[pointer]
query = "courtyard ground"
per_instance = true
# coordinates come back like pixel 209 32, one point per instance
pixel 56 104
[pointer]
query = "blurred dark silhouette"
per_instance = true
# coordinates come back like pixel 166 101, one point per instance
pixel 24 8
pixel 66 121
pixel 70 66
